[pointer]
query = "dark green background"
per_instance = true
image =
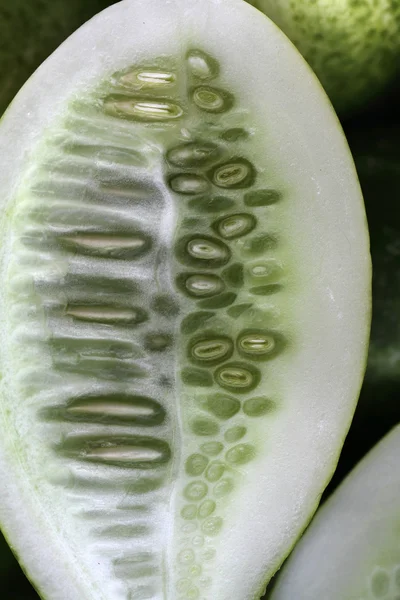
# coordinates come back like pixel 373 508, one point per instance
pixel 31 29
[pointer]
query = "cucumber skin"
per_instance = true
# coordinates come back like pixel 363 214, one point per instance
pixel 353 46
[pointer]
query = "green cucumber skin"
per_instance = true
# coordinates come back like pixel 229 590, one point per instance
pixel 353 46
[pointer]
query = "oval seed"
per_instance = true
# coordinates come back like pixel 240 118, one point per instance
pixel 238 377
pixel 234 226
pixel 204 427
pixel 206 508
pixel 234 434
pixel 202 65
pixel 115 408
pixel 221 406
pixel 257 407
pixel 196 464
pixel 196 490
pixel 223 488
pixel 212 526
pixel 208 249
pixel 189 511
pixel 215 471
pixel 186 556
pixel 212 100
pixel 212 448
pixel 262 197
pixel 211 351
pixel 143 110
pixel 237 173
pixel 260 345
pixel 106 314
pixel 193 154
pixel 203 286
pixel 380 583
pixel 151 77
pixel 106 245
pixel 240 454
pixel 188 184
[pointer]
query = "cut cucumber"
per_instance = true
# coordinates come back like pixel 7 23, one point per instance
pixel 353 45
pixel 351 549
pixel 185 305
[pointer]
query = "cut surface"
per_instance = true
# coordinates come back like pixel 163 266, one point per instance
pixel 353 46
pixel 356 534
pixel 185 305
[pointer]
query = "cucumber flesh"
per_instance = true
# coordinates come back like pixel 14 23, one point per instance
pixel 184 309
pixel 354 535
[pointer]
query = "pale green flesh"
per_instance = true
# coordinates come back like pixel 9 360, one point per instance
pixel 351 549
pixel 166 285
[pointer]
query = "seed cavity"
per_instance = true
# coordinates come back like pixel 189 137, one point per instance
pixel 196 464
pixel 220 301
pixel 206 509
pixel 112 408
pixel 128 451
pixel 188 184
pixel 189 511
pixel 264 272
pixel 260 345
pixel 222 406
pixel 213 204
pixel 157 342
pixel 234 134
pixel 211 350
pixel 108 315
pixel 212 526
pixel 201 65
pixel 235 174
pixel 259 406
pixel 125 247
pixel 196 377
pixel 196 490
pixel 212 100
pixel 212 448
pixel 203 251
pixel 204 427
pixel 142 109
pixel 186 556
pixel 193 154
pixel 240 454
pixel 195 321
pixel 203 285
pixel 234 226
pixel 215 471
pixel 223 488
pixel 262 197
pixel 233 275
pixel 238 377
pixel 234 434
pixel 259 244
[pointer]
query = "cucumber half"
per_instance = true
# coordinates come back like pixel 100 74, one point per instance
pixel 355 534
pixel 185 305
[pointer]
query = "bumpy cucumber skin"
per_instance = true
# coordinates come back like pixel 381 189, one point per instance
pixel 353 46
pixel 30 31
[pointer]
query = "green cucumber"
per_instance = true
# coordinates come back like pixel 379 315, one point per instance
pixel 185 305
pixel 353 45
pixel 351 549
